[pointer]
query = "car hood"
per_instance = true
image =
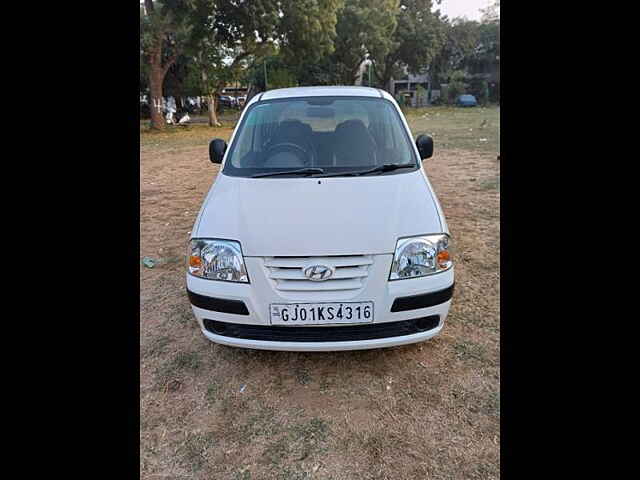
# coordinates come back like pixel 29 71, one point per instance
pixel 319 216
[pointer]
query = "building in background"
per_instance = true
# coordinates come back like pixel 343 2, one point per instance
pixel 416 89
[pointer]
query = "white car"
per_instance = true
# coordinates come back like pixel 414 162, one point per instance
pixel 321 232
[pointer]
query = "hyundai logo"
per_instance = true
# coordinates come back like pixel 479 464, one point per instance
pixel 318 273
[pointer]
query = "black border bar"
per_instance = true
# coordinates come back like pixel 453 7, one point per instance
pixel 424 300
pixel 222 305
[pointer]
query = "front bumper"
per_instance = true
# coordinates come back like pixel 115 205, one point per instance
pixel 260 293
pixel 323 346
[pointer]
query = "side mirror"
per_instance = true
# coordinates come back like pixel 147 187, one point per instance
pixel 217 147
pixel 425 146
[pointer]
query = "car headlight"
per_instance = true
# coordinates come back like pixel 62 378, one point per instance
pixel 421 256
pixel 217 260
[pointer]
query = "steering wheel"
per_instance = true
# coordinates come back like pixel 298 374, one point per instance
pixel 306 157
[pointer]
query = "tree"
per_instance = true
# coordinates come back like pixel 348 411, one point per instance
pixel 459 42
pixel 394 34
pixel 281 74
pixel 485 56
pixel 322 72
pixel 228 35
pixel 307 30
pixel 164 32
pixel 491 14
pixel 456 85
pixel 364 26
pixel 177 82
pixel 213 68
pixel 415 41
pixel 234 35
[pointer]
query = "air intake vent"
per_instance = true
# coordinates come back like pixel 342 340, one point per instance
pixel 321 333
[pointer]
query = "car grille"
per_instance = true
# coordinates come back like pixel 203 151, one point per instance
pixel 343 333
pixel 287 274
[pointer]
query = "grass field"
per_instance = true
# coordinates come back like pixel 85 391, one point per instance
pixel 428 410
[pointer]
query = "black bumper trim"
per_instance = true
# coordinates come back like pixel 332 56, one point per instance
pixel 342 333
pixel 424 300
pixel 222 305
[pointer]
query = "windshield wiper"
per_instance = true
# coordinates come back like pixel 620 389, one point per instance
pixel 387 167
pixel 301 171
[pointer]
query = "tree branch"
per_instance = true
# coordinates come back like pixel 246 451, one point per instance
pixel 239 57
pixel 172 59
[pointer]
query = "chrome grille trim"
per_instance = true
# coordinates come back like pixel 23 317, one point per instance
pixel 299 262
pixel 287 274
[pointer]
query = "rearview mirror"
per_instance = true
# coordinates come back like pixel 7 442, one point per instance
pixel 425 146
pixel 320 112
pixel 217 147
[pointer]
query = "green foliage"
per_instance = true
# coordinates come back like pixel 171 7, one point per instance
pixel 314 42
pixel 363 27
pixel 281 78
pixel 165 26
pixel 323 72
pixel 280 74
pixel 456 86
pixel 177 82
pixel 460 40
pixel 478 87
pixel 414 43
pixel 419 35
pixel 392 33
pixel 307 27
pixel 232 32
pixel 421 96
pixel 237 35
pixel 473 47
pixel 486 54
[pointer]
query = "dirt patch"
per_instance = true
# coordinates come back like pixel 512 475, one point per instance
pixel 429 410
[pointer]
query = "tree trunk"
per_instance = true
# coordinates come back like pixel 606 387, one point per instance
pixel 156 77
pixel 157 71
pixel 385 78
pixel 213 118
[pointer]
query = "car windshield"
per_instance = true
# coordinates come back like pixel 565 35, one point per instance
pixel 329 135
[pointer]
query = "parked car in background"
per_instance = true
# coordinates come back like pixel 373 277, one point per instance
pixel 321 231
pixel 467 101
pixel 226 101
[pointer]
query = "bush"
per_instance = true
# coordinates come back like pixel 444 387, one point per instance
pixel 455 90
pixel 421 96
pixel 281 78
pixel 456 86
pixel 478 88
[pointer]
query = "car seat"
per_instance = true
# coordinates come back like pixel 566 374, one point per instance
pixel 293 132
pixel 354 145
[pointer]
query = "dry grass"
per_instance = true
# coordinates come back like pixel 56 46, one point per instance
pixel 428 410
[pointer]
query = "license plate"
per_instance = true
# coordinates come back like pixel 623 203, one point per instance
pixel 321 313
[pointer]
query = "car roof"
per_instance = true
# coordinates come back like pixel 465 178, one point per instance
pixel 324 91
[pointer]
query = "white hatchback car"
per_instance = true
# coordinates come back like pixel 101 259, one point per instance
pixel 321 232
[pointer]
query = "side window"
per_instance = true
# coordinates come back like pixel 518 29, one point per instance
pixel 252 135
pixel 245 142
pixel 398 137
